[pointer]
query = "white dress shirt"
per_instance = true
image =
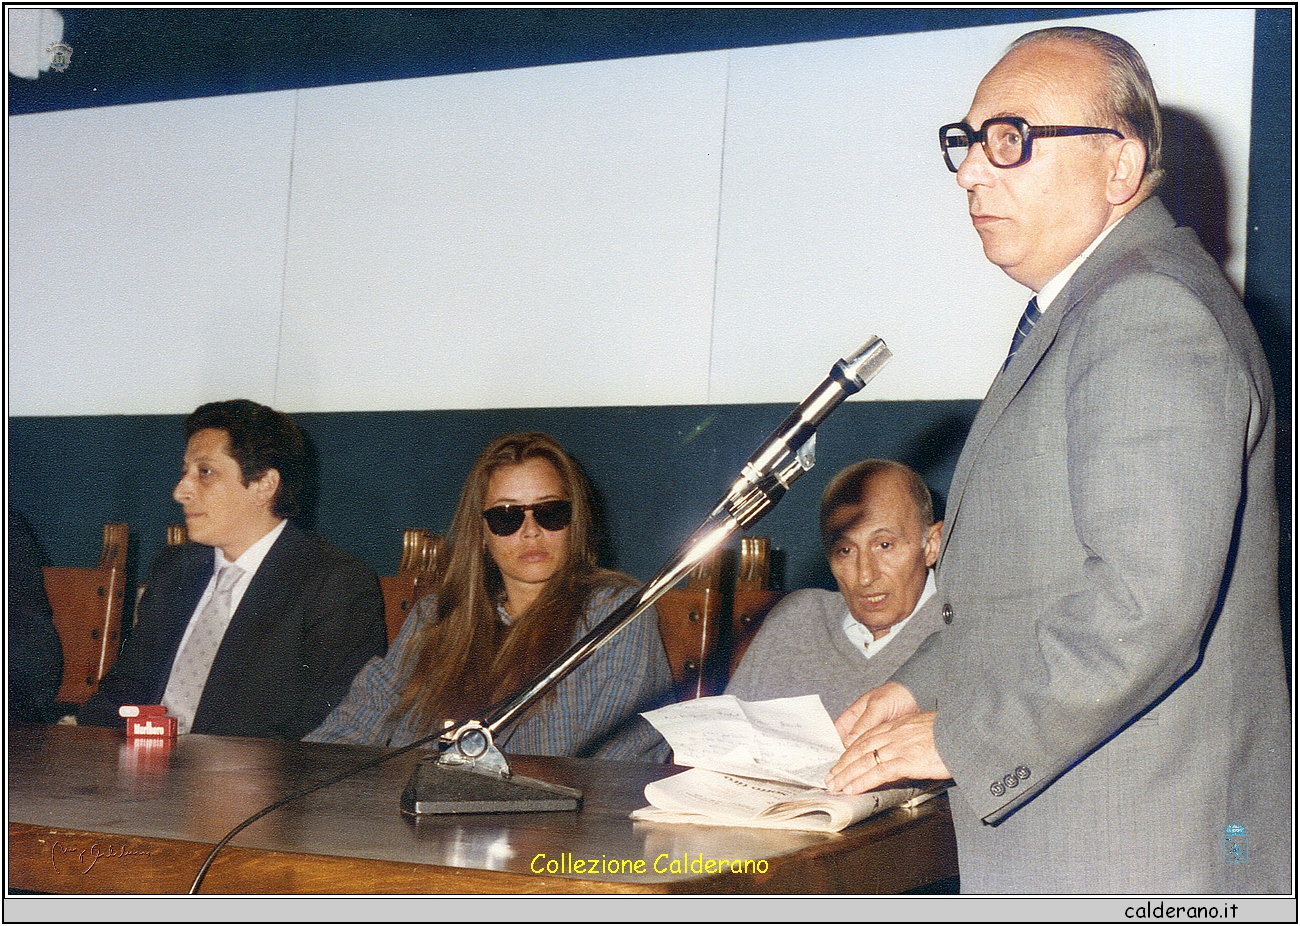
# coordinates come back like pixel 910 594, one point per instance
pixel 250 561
pixel 862 638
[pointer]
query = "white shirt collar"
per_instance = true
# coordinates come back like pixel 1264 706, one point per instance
pixel 1052 288
pixel 861 637
pixel 251 559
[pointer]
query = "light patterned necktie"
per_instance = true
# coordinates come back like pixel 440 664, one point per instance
pixel 1027 322
pixel 192 665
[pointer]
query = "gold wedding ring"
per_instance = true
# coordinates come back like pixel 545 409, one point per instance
pixel 876 754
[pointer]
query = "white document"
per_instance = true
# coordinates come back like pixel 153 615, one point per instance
pixel 758 763
pixel 786 739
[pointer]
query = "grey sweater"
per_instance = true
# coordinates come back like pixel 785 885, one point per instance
pixel 801 648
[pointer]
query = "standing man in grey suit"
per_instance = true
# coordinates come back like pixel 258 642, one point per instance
pixel 880 537
pixel 1108 690
pixel 256 627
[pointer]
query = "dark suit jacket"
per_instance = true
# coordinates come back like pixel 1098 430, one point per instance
pixel 35 653
pixel 312 615
pixel 1110 686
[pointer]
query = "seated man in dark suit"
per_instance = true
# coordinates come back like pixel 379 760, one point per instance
pixel 255 627
pixel 879 533
pixel 35 653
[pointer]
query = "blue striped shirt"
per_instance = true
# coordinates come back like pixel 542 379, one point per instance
pixel 591 713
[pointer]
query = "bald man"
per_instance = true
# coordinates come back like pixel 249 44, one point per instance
pixel 1108 689
pixel 880 537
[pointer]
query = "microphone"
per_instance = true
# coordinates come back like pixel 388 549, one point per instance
pixel 434 786
pixel 771 469
pixel 783 457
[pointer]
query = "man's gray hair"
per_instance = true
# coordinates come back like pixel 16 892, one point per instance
pixel 1131 97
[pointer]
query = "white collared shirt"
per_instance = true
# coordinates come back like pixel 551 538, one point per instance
pixel 861 637
pixel 249 561
pixel 1052 288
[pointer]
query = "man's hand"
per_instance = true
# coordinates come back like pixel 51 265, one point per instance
pixel 886 702
pixel 888 740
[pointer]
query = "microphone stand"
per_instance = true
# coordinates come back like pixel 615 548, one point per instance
pixel 438 784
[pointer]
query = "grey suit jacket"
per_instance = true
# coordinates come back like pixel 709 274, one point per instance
pixel 1110 688
pixel 801 649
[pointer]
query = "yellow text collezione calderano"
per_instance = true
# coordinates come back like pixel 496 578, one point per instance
pixel 664 864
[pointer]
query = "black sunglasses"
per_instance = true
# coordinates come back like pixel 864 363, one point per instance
pixel 504 520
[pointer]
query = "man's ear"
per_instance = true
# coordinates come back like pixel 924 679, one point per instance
pixel 933 538
pixel 1128 160
pixel 266 485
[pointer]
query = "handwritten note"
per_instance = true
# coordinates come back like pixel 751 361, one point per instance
pixel 786 739
pixel 87 857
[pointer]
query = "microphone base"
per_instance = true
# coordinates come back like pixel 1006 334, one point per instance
pixel 436 788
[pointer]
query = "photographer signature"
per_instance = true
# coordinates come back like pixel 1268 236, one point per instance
pixel 89 856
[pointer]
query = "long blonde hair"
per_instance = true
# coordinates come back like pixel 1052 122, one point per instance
pixel 466 659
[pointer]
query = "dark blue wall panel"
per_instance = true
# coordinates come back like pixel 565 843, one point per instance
pixel 145 55
pixel 658 472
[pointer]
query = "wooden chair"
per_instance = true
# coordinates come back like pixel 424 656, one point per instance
pixel 689 626
pixel 753 596
pixel 422 562
pixel 87 606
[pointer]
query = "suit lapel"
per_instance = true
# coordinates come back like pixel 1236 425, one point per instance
pixel 1006 385
pixel 265 599
pixel 197 566
pixel 1143 222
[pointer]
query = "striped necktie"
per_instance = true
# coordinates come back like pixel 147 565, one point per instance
pixel 190 670
pixel 1027 322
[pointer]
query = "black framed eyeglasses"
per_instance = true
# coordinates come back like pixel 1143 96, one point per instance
pixel 1008 140
pixel 505 520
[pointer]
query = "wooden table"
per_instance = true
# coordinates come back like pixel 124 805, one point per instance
pixel 90 813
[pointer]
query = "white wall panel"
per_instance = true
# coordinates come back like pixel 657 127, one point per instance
pixel 840 220
pixel 520 238
pixel 1202 62
pixel 714 227
pixel 145 251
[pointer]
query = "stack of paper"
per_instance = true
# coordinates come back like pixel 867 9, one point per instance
pixel 758 763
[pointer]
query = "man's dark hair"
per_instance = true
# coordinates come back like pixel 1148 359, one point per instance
pixel 260 439
pixel 848 486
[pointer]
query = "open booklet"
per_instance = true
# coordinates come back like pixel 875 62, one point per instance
pixel 758 763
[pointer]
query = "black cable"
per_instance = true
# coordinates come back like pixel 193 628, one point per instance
pixel 303 792
pixel 758 480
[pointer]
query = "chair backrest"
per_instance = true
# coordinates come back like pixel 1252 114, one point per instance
pixel 423 557
pixel 689 621
pixel 87 606
pixel 753 596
